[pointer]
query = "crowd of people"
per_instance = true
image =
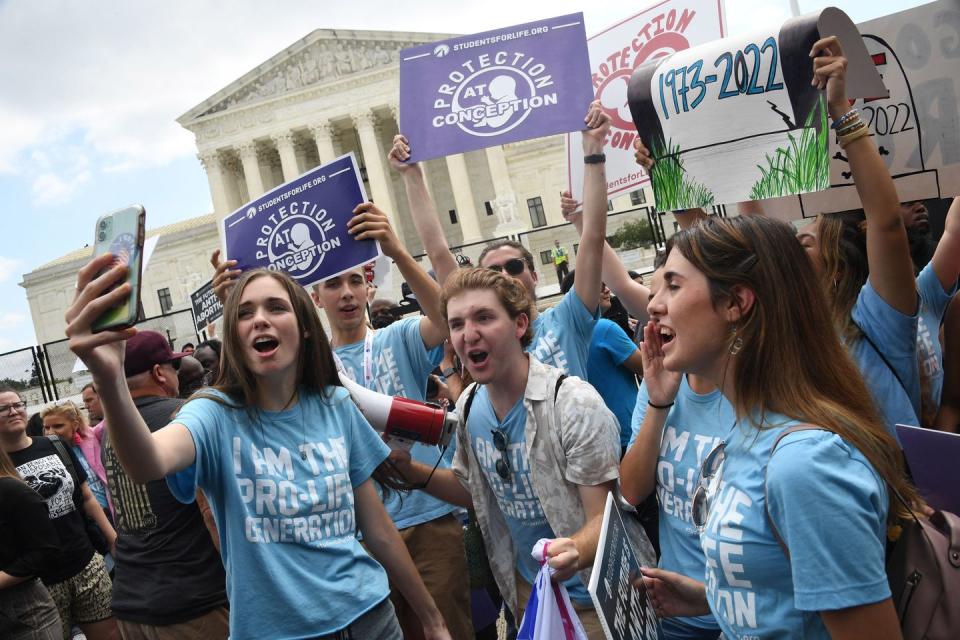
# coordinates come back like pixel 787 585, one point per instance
pixel 236 489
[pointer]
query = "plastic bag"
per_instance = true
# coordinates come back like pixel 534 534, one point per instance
pixel 549 614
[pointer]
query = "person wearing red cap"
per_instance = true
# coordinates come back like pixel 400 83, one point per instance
pixel 169 580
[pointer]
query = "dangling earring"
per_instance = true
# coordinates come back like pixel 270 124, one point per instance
pixel 737 344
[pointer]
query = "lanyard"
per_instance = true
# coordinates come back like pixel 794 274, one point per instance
pixel 367 360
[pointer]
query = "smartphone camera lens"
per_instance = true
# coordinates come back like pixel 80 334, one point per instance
pixel 102 236
pixel 103 225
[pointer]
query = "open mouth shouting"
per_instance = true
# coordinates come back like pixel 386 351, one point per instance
pixel 666 334
pixel 265 345
pixel 478 359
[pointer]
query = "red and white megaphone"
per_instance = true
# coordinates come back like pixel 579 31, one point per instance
pixel 401 420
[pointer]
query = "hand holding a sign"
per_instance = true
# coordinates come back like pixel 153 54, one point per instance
pixel 830 74
pixel 642 155
pixel 370 223
pixel 224 275
pixel 597 130
pixel 400 153
pixel 673 594
pixel 569 205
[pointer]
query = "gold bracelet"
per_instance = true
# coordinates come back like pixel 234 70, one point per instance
pixel 856 135
pixel 848 129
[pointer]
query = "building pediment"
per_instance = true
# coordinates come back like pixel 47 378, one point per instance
pixel 324 56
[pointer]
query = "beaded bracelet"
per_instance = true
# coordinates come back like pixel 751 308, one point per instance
pixel 842 120
pixel 856 135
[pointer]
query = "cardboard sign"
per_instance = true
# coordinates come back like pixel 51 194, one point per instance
pixel 516 83
pixel 624 610
pixel 206 307
pixel 300 227
pixel 738 119
pixel 917 127
pixel 664 28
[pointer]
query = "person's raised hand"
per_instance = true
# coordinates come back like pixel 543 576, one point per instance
pixel 569 205
pixel 370 223
pixel 642 155
pixel 596 130
pixel 830 73
pixel 662 384
pixel 673 594
pixel 564 557
pixel 101 352
pixel 224 276
pixel 400 153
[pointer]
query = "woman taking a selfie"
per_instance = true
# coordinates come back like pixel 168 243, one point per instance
pixel 283 456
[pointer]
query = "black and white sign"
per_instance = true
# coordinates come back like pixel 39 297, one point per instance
pixel 624 609
pixel 206 308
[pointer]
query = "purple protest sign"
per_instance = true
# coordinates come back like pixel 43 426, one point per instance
pixel 301 227
pixel 491 88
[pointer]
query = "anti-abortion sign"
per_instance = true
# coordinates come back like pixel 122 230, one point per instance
pixel 664 28
pixel 738 119
pixel 206 307
pixel 301 226
pixel 491 88
pixel 618 594
pixel 917 127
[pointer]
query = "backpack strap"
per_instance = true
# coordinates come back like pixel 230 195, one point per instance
pixel 65 458
pixel 766 499
pixel 556 390
pixel 469 402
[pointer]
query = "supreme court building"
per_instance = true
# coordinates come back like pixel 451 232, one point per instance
pixel 330 93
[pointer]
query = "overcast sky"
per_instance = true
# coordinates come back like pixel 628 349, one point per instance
pixel 91 90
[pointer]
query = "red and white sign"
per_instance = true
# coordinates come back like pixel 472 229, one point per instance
pixel 662 29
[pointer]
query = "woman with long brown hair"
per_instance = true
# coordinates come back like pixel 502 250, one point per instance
pixel 28 546
pixel 793 507
pixel 284 457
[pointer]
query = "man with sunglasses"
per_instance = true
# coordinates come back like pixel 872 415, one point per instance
pixel 169 580
pixel 561 334
pixel 537 451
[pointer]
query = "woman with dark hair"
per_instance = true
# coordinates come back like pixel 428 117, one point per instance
pixel 28 547
pixel 793 506
pixel 279 446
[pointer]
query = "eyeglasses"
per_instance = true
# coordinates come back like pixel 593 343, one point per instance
pixel 513 266
pixel 711 465
pixel 12 407
pixel 503 464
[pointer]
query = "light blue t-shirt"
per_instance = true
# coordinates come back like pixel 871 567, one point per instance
pixel 830 508
pixel 694 426
pixel 401 366
pixel 281 487
pixel 609 347
pixel 517 500
pixel 933 304
pixel 561 335
pixel 895 334
pixel 93 481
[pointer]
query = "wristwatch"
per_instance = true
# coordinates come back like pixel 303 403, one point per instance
pixel 595 158
pixel 449 371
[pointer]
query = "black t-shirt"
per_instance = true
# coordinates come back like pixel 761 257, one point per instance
pixel 29 545
pixel 167 569
pixel 41 468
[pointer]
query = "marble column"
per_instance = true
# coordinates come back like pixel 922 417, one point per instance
pixel 251 169
pixel 374 159
pixel 323 135
pixel 505 204
pixel 463 198
pixel 288 155
pixel 218 190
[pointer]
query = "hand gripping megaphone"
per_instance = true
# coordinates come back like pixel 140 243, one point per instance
pixel 401 420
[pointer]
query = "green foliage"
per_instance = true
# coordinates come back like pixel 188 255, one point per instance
pixel 672 188
pixel 803 167
pixel 632 234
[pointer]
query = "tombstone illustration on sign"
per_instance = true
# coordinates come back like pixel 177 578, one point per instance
pixel 491 88
pixel 738 119
pixel 655 32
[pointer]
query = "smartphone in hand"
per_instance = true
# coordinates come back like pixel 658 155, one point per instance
pixel 121 233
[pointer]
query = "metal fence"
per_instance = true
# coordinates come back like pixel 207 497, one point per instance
pixel 65 377
pixel 22 370
pixel 470 251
